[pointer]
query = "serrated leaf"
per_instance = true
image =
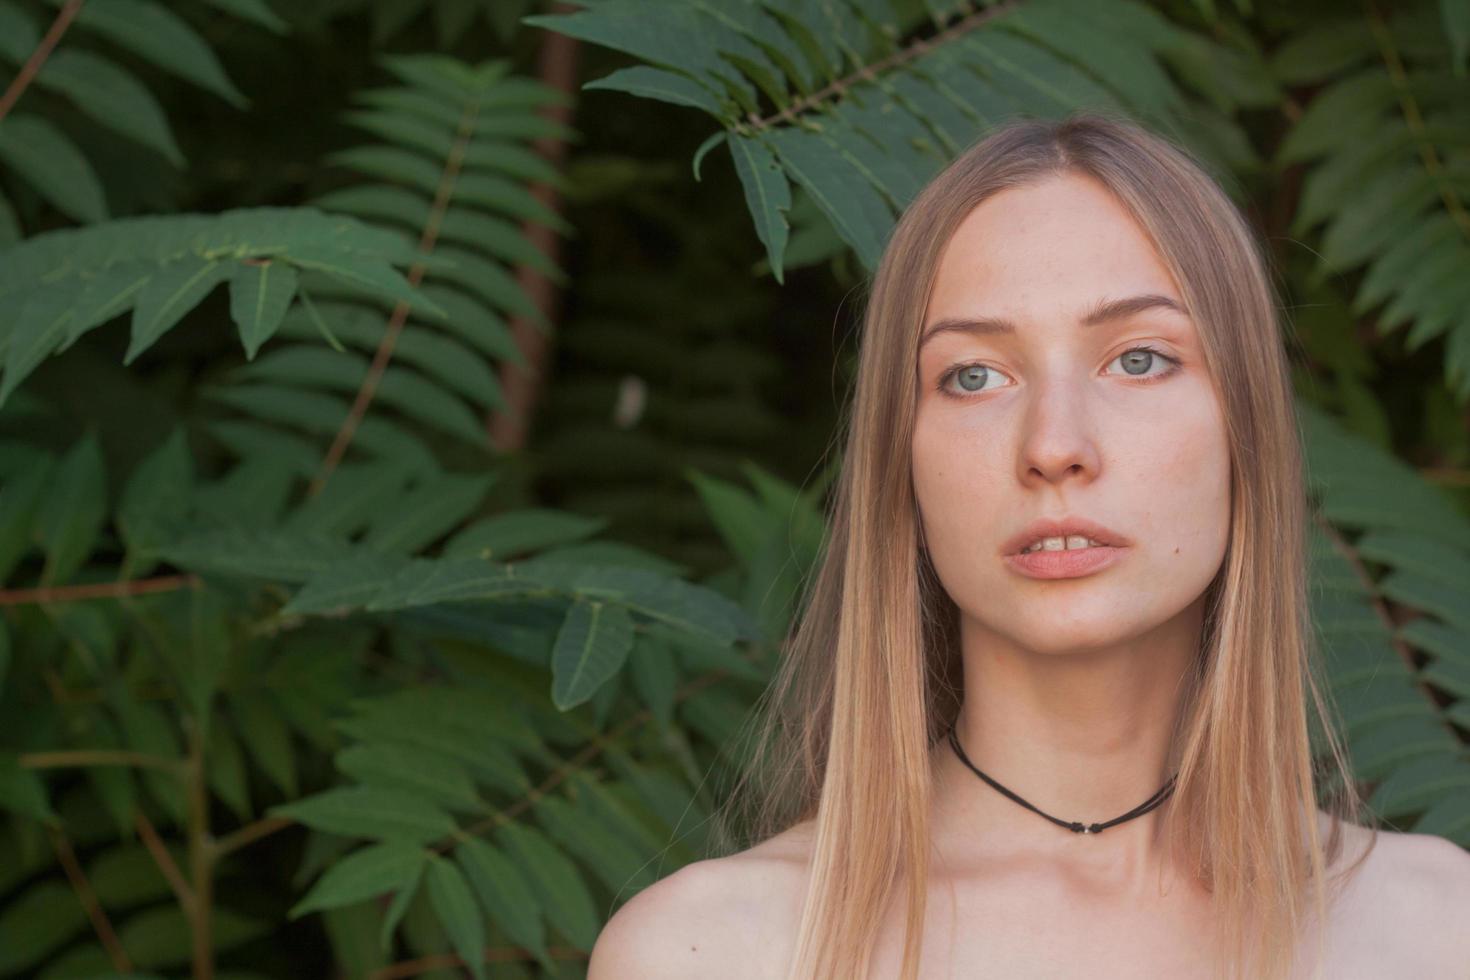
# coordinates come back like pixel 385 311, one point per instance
pixel 458 913
pixel 767 196
pixel 365 873
pixel 410 769
pixel 112 97
pixel 50 162
pixel 591 646
pixel 505 894
pixel 73 511
pixel 22 791
pixel 161 38
pixel 562 892
pixel 363 811
pixel 172 292
pixel 260 294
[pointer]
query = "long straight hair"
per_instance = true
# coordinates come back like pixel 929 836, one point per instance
pixel 871 678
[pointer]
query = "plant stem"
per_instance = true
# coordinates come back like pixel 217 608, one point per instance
pixel 98 590
pixel 101 924
pixel 38 57
pixel 98 757
pixel 201 857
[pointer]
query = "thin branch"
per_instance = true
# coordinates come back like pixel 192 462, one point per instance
pixel 1370 587
pixel 1413 119
pixel 101 924
pixel 521 384
pixel 869 73
pixel 73 758
pixel 384 353
pixel 165 862
pixel 201 860
pixel 578 761
pixel 249 834
pixel 38 57
pixel 99 590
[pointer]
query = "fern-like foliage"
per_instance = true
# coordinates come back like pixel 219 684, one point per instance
pixel 829 97
pixel 57 286
pixel 450 180
pixel 1391 604
pixel 74 79
pixel 451 20
pixel 122 709
pixel 1388 180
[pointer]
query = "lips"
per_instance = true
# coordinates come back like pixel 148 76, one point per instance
pixel 1061 528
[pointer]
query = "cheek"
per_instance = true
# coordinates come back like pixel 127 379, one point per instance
pixel 1189 467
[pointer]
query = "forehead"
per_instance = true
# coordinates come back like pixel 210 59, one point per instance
pixel 1052 246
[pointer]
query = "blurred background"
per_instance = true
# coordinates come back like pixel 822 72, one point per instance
pixel 417 419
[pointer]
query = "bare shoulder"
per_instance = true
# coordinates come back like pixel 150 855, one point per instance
pixel 1416 888
pixel 715 918
pixel 1429 877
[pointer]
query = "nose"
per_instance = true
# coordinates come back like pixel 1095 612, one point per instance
pixel 1057 438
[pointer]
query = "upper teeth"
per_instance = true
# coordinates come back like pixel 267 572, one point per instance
pixel 1059 544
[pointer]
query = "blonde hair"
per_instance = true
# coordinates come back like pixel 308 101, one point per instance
pixel 870 677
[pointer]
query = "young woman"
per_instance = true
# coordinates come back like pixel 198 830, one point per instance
pixel 1046 713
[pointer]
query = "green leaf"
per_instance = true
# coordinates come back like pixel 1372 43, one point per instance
pixel 51 163
pixel 619 865
pixel 368 273
pixel 171 293
pixel 257 12
pixel 363 811
pixel 767 195
pixel 511 534
pixel 22 791
pixel 505 895
pixel 20 499
pixel 112 97
pixel 269 741
pixel 156 499
pixel 455 906
pixel 397 908
pixel 365 873
pixel 410 769
pixel 843 194
pixel 427 512
pixel 224 761
pixel 591 646
pixel 655 675
pixel 260 294
pixel 163 39
pixel 1456 15
pixel 33 924
pixel 73 511
pixel 562 892
pixel 666 86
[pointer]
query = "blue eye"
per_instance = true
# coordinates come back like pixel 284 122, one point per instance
pixel 973 378
pixel 969 375
pixel 1144 358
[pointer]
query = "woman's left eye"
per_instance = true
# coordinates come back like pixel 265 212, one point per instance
pixel 1142 358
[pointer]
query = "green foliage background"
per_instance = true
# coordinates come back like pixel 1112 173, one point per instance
pixel 282 695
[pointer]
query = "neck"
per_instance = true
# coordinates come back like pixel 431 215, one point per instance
pixel 1082 734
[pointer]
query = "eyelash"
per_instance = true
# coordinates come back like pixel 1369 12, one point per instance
pixel 943 384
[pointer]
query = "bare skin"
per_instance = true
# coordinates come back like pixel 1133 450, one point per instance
pixel 1401 914
pixel 1071 685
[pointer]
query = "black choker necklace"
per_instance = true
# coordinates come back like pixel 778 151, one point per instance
pixel 1074 826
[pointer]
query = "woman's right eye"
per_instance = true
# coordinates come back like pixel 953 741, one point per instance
pixel 969 379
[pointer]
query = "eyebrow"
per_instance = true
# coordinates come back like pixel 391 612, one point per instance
pixel 1113 309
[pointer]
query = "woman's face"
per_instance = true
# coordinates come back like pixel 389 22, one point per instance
pixel 1057 419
